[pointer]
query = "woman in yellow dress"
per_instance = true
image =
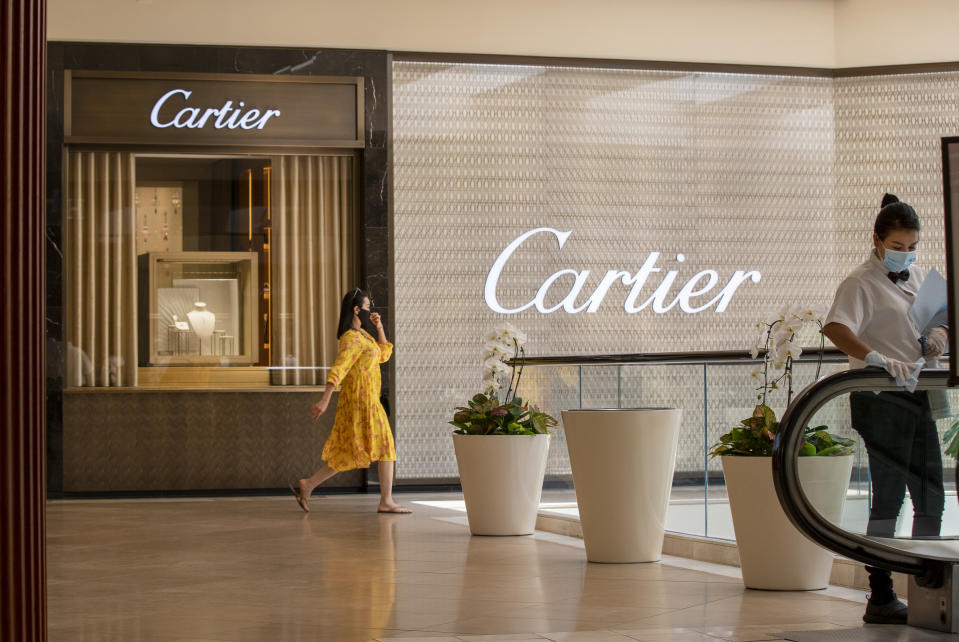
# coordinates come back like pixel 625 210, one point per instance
pixel 361 430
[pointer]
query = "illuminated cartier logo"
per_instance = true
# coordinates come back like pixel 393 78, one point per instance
pixel 227 116
pixel 660 300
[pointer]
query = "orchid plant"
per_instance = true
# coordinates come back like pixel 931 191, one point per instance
pixel 777 343
pixel 486 413
pixel 501 344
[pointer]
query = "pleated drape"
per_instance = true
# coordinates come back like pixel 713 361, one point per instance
pixel 101 265
pixel 313 238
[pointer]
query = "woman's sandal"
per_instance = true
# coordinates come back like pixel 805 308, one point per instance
pixel 299 500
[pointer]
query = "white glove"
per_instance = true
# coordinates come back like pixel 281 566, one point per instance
pixel 936 343
pixel 905 374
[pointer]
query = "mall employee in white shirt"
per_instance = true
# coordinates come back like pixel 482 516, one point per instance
pixel 869 322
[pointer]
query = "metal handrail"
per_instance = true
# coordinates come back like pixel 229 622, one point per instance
pixel 789 489
pixel 830 355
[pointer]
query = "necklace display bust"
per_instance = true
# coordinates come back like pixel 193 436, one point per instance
pixel 201 320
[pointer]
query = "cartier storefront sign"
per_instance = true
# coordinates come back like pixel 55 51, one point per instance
pixel 213 109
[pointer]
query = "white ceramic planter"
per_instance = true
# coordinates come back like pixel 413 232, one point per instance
pixel 773 554
pixel 502 478
pixel 622 461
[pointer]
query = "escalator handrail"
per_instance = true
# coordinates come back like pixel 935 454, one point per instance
pixel 786 470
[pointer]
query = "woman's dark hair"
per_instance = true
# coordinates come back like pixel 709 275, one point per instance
pixel 894 216
pixel 353 298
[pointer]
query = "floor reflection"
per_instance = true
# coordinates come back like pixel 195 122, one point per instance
pixel 257 569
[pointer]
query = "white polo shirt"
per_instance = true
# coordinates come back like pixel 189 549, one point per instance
pixel 877 310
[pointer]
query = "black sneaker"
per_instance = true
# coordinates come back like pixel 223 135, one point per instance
pixel 893 612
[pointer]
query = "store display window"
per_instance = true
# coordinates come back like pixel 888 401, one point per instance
pixel 188 267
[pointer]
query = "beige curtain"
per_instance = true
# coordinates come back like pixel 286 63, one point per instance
pixel 101 265
pixel 314 233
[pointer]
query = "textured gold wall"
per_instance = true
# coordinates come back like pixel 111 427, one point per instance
pixel 734 171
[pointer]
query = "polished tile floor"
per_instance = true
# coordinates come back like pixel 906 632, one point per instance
pixel 258 569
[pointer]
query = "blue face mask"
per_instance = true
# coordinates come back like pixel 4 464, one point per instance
pixel 898 261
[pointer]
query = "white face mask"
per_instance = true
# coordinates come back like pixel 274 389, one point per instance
pixel 897 261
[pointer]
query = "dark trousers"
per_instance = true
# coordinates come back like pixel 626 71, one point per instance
pixel 904 452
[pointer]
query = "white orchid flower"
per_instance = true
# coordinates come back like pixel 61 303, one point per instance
pixel 493 386
pixel 496 366
pixel 511 333
pixel 497 348
pixel 762 336
pixel 791 350
pixel 754 353
pixel 757 372
pixel 790 327
pixel 495 337
pixel 787 312
pixel 779 339
pixel 492 382
pixel 774 352
pixel 491 364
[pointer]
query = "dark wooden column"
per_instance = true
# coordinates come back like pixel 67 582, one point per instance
pixel 23 611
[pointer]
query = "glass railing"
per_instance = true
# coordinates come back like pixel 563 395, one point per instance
pixel 715 392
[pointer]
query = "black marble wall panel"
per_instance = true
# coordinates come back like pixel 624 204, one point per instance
pixel 373 66
pixel 197 440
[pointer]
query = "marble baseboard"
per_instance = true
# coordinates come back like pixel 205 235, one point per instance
pixel 845 572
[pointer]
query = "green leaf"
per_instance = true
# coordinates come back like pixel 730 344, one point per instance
pixel 765 412
pixel 831 451
pixel 485 415
pixel 951 439
pixel 808 450
pixel 825 438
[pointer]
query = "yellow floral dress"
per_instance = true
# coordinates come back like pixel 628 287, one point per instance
pixel 361 431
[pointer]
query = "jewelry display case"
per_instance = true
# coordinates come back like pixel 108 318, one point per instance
pixel 198 308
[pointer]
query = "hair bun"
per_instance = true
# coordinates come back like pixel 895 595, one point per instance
pixel 888 199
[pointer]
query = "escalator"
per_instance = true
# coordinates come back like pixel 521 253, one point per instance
pixel 932 563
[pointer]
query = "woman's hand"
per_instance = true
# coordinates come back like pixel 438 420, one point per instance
pixel 376 320
pixel 320 407
pixel 936 343
pixel 905 374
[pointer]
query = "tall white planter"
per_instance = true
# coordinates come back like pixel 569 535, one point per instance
pixel 622 462
pixel 773 554
pixel 502 478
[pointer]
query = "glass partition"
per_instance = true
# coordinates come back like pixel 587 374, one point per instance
pixel 715 397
